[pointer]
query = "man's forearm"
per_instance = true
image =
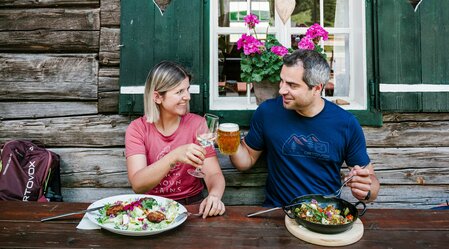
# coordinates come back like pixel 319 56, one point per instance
pixel 242 159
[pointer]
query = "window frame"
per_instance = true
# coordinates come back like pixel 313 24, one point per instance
pixel 358 94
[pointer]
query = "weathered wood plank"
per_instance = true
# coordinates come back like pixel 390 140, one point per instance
pixel 49 3
pixel 406 196
pixel 92 194
pixel 49 41
pixel 401 166
pixel 108 79
pixel 108 102
pixel 413 197
pixel 49 76
pixel 414 117
pixel 110 13
pixel 81 131
pixel 232 196
pixel 16 110
pixel 100 168
pixel 421 166
pixel 109 47
pixel 393 167
pixel 408 134
pixel 103 173
pixel 49 19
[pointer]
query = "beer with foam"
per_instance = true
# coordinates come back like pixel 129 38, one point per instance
pixel 228 138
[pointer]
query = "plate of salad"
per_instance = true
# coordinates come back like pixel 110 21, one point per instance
pixel 137 214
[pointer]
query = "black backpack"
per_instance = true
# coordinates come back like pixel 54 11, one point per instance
pixel 29 172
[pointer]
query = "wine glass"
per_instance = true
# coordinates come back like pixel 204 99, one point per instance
pixel 205 135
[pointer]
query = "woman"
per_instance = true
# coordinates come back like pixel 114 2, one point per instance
pixel 160 146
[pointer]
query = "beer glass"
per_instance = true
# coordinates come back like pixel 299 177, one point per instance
pixel 228 138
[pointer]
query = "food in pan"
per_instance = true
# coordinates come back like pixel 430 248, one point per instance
pixel 328 215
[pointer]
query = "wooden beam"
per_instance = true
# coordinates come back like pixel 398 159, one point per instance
pixel 108 79
pixel 81 131
pixel 49 3
pixel 49 19
pixel 110 13
pixel 49 41
pixel 408 134
pixel 108 102
pixel 109 47
pixel 15 110
pixel 48 76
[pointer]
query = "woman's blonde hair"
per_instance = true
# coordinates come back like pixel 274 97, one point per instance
pixel 163 77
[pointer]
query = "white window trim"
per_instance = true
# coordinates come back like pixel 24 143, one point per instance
pixel 283 34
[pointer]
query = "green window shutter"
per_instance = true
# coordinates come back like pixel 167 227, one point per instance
pixel 412 50
pixel 147 37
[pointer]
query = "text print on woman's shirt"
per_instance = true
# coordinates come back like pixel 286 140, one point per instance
pixel 172 181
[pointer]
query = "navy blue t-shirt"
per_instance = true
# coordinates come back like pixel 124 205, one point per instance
pixel 305 155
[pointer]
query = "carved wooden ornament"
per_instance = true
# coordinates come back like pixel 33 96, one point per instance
pixel 162 5
pixel 285 9
pixel 415 3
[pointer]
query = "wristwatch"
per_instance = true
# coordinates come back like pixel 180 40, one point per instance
pixel 368 195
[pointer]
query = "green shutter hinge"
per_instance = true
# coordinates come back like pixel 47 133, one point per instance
pixel 373 95
pixel 131 103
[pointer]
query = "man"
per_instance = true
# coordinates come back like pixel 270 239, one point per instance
pixel 306 137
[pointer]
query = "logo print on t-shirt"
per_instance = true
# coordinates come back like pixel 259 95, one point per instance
pixel 309 146
pixel 164 152
pixel 171 183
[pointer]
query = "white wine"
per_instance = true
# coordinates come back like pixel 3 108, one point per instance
pixel 206 139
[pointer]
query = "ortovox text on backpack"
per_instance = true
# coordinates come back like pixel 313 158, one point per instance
pixel 29 172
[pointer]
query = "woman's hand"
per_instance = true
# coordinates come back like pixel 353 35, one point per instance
pixel 192 154
pixel 212 206
pixel 361 182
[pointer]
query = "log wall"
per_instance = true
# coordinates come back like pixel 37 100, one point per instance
pixel 59 83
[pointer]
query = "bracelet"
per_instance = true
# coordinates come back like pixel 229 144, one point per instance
pixel 368 195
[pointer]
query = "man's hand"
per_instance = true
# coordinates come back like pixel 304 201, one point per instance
pixel 361 182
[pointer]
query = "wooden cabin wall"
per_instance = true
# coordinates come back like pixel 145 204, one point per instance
pixel 59 83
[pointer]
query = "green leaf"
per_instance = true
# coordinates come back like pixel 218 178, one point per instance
pixel 246 67
pixel 257 77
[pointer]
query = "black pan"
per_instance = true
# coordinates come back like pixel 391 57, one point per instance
pixel 324 201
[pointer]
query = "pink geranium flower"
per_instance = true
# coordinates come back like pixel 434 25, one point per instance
pixel 306 43
pixel 311 41
pixel 316 31
pixel 279 50
pixel 250 44
pixel 261 59
pixel 251 20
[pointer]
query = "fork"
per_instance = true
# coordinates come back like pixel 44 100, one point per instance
pixel 185 214
pixel 338 192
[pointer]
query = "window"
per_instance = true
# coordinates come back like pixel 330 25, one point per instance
pixel 346 49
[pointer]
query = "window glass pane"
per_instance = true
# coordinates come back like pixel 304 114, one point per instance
pixel 336 13
pixel 264 10
pixel 337 50
pixel 231 13
pixel 229 82
pixel 306 13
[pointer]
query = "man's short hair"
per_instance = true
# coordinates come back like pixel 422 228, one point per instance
pixel 316 68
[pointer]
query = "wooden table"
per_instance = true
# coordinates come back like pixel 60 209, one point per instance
pixel 384 228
